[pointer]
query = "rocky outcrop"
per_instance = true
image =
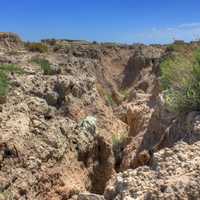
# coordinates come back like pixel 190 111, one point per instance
pixel 159 129
pixel 57 130
pixel 9 41
pixel 58 127
pixel 172 174
pixel 142 67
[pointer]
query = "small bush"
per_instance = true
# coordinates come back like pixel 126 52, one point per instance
pixel 44 64
pixel 5 69
pixel 175 72
pixel 37 47
pixel 180 78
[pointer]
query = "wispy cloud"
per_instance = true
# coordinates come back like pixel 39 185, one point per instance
pixel 187 32
pixel 190 25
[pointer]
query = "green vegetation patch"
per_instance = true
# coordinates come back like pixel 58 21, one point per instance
pixel 11 68
pixel 180 80
pixel 5 69
pixel 44 64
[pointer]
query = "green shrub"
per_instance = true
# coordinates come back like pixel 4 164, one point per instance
pixel 44 64
pixel 175 72
pixel 180 78
pixel 5 69
pixel 37 47
pixel 11 68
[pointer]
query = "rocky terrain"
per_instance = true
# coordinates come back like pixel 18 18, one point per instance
pixel 88 121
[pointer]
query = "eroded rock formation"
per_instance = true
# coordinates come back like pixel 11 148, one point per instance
pixel 59 128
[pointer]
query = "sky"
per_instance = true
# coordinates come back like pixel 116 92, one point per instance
pixel 123 21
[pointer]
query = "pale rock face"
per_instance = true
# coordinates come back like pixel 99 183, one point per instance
pixel 56 129
pixel 9 41
pixel 173 174
pixel 137 118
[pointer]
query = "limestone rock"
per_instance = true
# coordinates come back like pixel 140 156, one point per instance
pixel 10 42
pixel 173 174
pixel 89 124
pixel 57 130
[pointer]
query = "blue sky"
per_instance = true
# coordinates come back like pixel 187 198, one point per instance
pixel 126 21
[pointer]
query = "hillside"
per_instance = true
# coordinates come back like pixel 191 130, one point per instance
pixel 81 120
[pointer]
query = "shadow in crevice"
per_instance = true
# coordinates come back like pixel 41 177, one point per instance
pixel 103 169
pixel 132 71
pixel 166 132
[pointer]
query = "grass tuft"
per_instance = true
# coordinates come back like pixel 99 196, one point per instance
pixel 5 69
pixel 44 64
